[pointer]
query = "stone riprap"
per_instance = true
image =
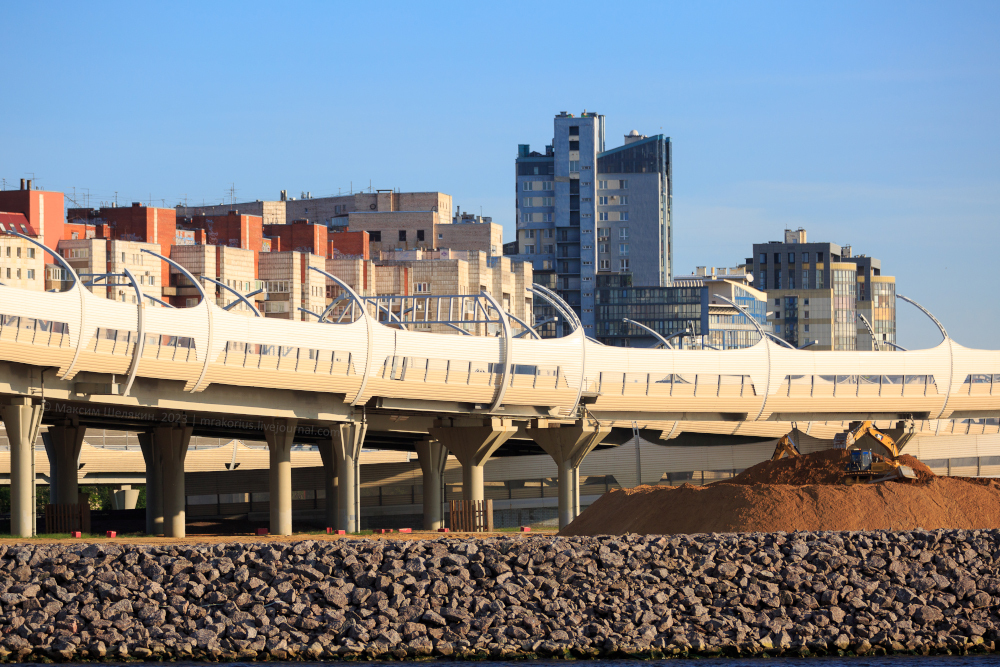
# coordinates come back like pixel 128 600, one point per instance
pixel 718 594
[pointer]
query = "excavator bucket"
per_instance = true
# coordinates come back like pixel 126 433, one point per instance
pixel 907 472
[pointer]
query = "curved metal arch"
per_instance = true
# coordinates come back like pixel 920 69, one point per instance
pixel 238 295
pixel 187 274
pixel 558 302
pixel 508 351
pixel 329 309
pixel 208 314
pixel 951 350
pixel 133 366
pixel 767 349
pixel 457 328
pixel 523 324
pixel 927 313
pixel 77 284
pixel 871 332
pixel 162 303
pixel 894 346
pixel 656 335
pixel 368 329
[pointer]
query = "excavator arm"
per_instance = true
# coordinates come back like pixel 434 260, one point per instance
pixel 785 447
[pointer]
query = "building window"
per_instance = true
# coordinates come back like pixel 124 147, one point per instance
pixel 31 253
pixel 31 274
pixel 574 130
pixel 548 248
pixel 546 185
pixel 420 235
pixel 763 258
pixel 603 232
pixel 527 186
pixel 763 279
pixel 527 201
pixel 623 184
pixel 529 249
pixel 605 265
pixel 805 315
pixel 547 233
pixel 402 234
pixel 19 274
pixel 806 302
pixel 791 258
pixel 602 201
pixel 807 328
pixel 623 215
pixel 777 328
pixel 623 264
pixel 547 201
pixel 805 257
pixel 777 258
pixel 375 237
pixel 623 232
pixel 546 217
pixel 622 248
pixel 421 287
pixel 603 247
pixel 819 257
pixel 574 166
pixel 602 216
pixel 623 201
pixel 602 185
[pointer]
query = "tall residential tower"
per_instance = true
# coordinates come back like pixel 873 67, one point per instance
pixel 583 211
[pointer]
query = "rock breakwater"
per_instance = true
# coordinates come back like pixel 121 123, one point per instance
pixel 715 594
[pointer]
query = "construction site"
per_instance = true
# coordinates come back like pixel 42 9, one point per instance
pixel 864 482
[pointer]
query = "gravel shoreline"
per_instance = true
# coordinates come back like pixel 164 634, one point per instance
pixel 745 594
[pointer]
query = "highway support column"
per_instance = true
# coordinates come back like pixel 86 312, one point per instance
pixel 172 443
pixel 62 446
pixel 23 420
pixel 568 445
pixel 346 441
pixel 279 434
pixel 330 482
pixel 154 483
pixel 473 442
pixel 432 456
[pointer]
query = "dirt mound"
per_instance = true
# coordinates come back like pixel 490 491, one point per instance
pixel 941 502
pixel 825 467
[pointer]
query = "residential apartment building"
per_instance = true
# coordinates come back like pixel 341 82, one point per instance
pixel 22 263
pixel 419 273
pixel 42 209
pixel 92 258
pixel 818 291
pixel 584 211
pixel 234 267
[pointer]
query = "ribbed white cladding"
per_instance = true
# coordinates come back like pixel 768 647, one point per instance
pixel 630 380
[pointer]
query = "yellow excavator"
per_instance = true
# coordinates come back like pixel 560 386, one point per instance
pixel 862 466
pixel 785 447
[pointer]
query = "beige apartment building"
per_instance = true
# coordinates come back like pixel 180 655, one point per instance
pixel 235 267
pixel 432 273
pixel 290 284
pixel 99 256
pixel 22 263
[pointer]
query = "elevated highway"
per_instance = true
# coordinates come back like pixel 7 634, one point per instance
pixel 72 359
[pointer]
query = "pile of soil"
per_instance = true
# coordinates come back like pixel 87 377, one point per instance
pixel 799 493
pixel 825 467
pixel 942 502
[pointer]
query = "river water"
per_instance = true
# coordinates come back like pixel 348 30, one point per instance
pixel 883 661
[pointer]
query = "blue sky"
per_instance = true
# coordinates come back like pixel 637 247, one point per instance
pixel 870 124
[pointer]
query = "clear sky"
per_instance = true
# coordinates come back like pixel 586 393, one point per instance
pixel 875 124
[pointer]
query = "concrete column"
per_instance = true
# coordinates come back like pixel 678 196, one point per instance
pixel 279 434
pixel 62 445
pixel 432 456
pixel 346 441
pixel 473 442
pixel 172 443
pixel 22 420
pixel 329 456
pixel 154 483
pixel 568 445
